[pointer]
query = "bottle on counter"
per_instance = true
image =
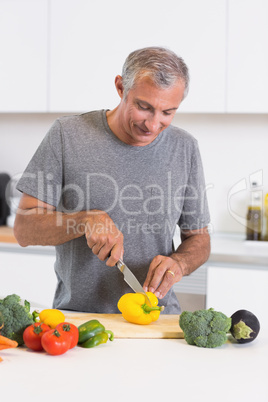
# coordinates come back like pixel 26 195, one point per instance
pixel 254 215
pixel 265 237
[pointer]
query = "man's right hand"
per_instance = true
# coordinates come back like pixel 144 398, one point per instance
pixel 103 237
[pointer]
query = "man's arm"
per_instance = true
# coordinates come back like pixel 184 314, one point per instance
pixel 193 251
pixel 38 223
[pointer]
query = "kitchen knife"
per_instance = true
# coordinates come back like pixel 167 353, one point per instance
pixel 131 279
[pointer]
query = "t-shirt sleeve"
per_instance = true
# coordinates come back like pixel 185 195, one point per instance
pixel 42 177
pixel 195 212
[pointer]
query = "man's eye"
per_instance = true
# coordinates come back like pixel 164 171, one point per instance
pixel 143 107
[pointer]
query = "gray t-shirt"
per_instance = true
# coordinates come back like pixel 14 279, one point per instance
pixel 146 190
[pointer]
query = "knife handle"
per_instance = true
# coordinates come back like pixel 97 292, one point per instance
pixel 120 265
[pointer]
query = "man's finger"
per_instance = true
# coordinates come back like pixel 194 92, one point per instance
pixel 116 253
pixel 149 278
pixel 167 282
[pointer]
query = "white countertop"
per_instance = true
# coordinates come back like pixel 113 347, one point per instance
pixel 226 247
pixel 140 370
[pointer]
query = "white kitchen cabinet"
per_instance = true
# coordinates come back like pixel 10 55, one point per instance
pixel 231 288
pixel 90 40
pixel 247 61
pixel 195 283
pixel 198 34
pixel 23 60
pixel 63 55
pixel 29 274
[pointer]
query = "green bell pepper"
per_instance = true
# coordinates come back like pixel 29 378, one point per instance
pixel 96 340
pixel 92 333
pixel 89 329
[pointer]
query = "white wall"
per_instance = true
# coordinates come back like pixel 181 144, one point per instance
pixel 233 147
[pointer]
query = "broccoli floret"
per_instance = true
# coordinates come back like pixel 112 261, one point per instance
pixel 205 328
pixel 14 317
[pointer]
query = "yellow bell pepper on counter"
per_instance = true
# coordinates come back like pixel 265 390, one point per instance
pixel 50 316
pixel 135 310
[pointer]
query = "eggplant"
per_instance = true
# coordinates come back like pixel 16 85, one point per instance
pixel 245 326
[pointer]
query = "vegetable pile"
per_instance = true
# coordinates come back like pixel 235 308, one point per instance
pixel 45 331
pixel 57 339
pixel 48 331
pixel 209 328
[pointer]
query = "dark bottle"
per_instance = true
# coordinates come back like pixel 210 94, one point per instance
pixel 254 215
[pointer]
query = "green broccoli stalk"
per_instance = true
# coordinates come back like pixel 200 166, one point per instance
pixel 14 317
pixel 205 328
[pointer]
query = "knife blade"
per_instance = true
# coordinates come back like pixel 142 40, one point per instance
pixel 131 279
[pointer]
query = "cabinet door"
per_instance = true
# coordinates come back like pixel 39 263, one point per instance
pixel 31 276
pixel 90 41
pixel 198 34
pixel 247 57
pixel 23 66
pixel 230 289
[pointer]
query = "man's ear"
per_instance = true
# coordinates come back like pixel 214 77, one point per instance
pixel 119 85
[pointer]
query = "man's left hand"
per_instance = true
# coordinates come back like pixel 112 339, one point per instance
pixel 162 274
pixel 164 271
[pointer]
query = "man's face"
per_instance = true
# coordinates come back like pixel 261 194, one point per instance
pixel 146 111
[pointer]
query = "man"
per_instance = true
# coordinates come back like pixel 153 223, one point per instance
pixel 114 183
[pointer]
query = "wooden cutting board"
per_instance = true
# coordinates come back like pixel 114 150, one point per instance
pixel 7 235
pixel 167 326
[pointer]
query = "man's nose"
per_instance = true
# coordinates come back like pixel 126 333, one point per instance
pixel 153 123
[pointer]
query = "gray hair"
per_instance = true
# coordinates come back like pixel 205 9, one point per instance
pixel 162 65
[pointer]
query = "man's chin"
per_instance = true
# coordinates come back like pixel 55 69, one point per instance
pixel 145 139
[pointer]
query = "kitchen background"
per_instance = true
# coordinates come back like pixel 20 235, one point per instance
pixel 60 57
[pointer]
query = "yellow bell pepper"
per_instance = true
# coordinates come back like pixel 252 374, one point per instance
pixel 52 317
pixel 135 310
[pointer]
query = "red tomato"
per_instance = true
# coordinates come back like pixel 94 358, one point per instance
pixel 55 343
pixel 69 330
pixel 32 335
